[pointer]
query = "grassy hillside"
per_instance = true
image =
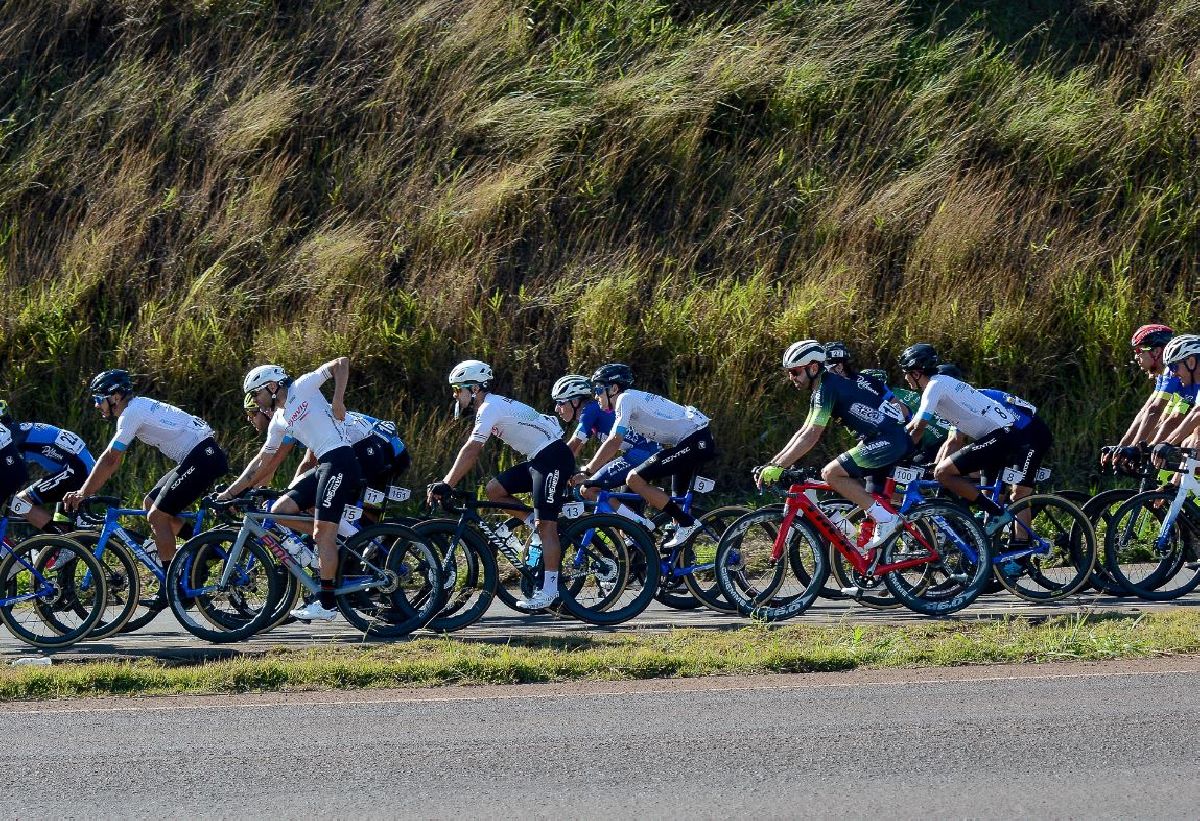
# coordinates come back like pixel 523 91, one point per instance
pixel 191 187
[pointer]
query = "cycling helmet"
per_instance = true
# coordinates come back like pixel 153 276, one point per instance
pixel 571 386
pixel 1180 348
pixel 950 369
pixel 803 352
pixel 878 375
pixel 471 372
pixel 920 357
pixel 262 375
pixel 837 353
pixel 1151 336
pixel 110 382
pixel 614 373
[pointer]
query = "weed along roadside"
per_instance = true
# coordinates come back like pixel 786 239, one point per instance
pixel 678 654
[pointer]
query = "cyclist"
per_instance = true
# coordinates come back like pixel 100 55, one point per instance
pixel 62 454
pixel 300 411
pixel 1002 436
pixel 682 432
pixel 548 466
pixel 575 403
pixel 13 472
pixel 1148 343
pixel 860 405
pixel 936 432
pixel 1182 359
pixel 181 437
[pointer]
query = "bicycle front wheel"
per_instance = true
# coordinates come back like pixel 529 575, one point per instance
pixel 959 557
pixel 54 591
pixel 1149 557
pixel 468 574
pixel 600 554
pixel 1064 545
pixel 216 613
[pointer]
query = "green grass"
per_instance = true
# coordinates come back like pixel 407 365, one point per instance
pixel 189 187
pixel 678 654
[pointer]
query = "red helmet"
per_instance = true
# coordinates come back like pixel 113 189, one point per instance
pixel 1151 336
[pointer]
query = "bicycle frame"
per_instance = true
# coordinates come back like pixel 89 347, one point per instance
pixel 1189 486
pixel 44 587
pixel 666 565
pixel 112 529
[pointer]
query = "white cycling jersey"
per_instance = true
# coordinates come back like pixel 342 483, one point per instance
pixel 962 406
pixel 174 432
pixel 656 418
pixel 306 417
pixel 519 426
pixel 5 437
pixel 358 426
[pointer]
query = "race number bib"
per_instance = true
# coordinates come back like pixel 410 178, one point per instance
pixel 68 442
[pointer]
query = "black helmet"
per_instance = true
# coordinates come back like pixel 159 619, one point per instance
pixel 920 357
pixel 950 369
pixel 614 373
pixel 110 382
pixel 837 353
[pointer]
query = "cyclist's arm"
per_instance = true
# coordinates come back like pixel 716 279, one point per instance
pixel 955 442
pixel 264 462
pixel 100 473
pixel 464 462
pixel 1148 419
pixel 576 444
pixel 1187 426
pixel 339 369
pixel 1172 421
pixel 307 463
pixel 801 443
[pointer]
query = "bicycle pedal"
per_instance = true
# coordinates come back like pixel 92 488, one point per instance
pixel 852 591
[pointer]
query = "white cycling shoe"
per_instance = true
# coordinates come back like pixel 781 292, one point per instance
pixel 313 611
pixel 538 601
pixel 682 534
pixel 883 532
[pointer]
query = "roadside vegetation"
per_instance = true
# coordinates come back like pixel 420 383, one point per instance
pixel 676 654
pixel 191 186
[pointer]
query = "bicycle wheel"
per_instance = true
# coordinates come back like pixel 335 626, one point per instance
pixel 121 579
pixel 195 575
pixel 54 591
pixel 1100 509
pixel 761 586
pixel 596 583
pixel 872 592
pixel 1149 559
pixel 959 573
pixel 700 554
pixel 468 574
pixel 405 574
pixel 673 590
pixel 1065 545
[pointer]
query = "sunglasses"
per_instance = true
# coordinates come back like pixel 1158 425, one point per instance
pixel 98 399
pixel 797 371
pixel 597 390
pixel 1174 366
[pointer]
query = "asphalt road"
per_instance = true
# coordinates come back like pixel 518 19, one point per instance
pixel 1097 741
pixel 164 638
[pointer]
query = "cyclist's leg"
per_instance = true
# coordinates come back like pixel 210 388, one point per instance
pixel 504 487
pixel 300 497
pixel 375 462
pixel 338 483
pixel 685 457
pixel 49 491
pixel 550 471
pixel 986 454
pixel 846 473
pixel 180 488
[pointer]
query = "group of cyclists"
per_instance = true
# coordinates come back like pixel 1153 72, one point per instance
pixel 644 441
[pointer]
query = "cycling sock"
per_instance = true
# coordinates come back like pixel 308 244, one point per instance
pixel 987 505
pixel 326 597
pixel 675 512
pixel 880 513
pixel 551 581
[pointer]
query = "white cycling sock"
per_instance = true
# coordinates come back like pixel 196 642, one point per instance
pixel 880 513
pixel 551 581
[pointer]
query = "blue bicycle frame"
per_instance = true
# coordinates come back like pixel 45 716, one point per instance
pixel 44 587
pixel 603 504
pixel 112 528
pixel 913 493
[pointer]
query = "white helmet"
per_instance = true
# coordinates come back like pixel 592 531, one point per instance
pixel 803 353
pixel 471 372
pixel 1180 348
pixel 571 386
pixel 262 375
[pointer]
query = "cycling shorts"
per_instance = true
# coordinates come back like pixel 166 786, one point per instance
pixel 50 490
pixel 615 473
pixel 376 461
pixel 680 462
pixel 1022 449
pixel 13 472
pixel 191 478
pixel 334 483
pixel 871 455
pixel 545 476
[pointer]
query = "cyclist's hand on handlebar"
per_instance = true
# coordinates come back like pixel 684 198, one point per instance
pixel 578 479
pixel 71 501
pixel 437 490
pixel 767 475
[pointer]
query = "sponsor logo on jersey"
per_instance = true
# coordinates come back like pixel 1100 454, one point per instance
pixel 866 413
pixel 53 454
pixel 867 385
pixel 299 414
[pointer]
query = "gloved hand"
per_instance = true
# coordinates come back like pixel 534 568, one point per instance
pixel 768 475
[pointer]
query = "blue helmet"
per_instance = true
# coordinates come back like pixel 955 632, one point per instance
pixel 110 382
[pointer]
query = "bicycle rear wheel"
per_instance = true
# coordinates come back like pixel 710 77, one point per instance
pixel 412 591
pixel 1148 562
pixel 193 587
pixel 961 570
pixel 700 554
pixel 54 591
pixel 1065 544
pixel 760 586
pixel 468 574
pixel 121 580
pixel 597 583
pixel 1100 509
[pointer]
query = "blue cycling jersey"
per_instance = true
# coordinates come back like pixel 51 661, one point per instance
pixel 596 422
pixel 1019 407
pixel 51 448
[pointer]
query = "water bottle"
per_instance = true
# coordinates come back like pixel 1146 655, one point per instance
pixel 294 545
pixel 839 520
pixel 512 539
pixel 535 552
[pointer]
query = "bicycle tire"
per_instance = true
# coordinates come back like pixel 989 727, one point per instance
pixel 598 590
pixel 764 589
pixel 201 566
pixel 121 579
pixel 1133 558
pixel 955 580
pixel 873 592
pixel 673 591
pixel 1070 541
pixel 413 594
pixel 469 574
pixel 75 586
pixel 702 550
pixel 1100 509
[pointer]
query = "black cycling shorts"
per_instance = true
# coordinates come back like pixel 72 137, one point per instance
pixel 1022 449
pixel 334 483
pixel 50 490
pixel 545 476
pixel 13 472
pixel 191 478
pixel 680 462
pixel 375 461
pixel 873 456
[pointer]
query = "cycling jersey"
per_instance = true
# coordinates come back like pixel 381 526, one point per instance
pixel 656 418
pixel 5 437
pixel 1018 406
pixel 596 422
pixel 963 407
pixel 935 432
pixel 858 404
pixel 306 417
pixel 52 448
pixel 516 424
pixel 358 426
pixel 165 427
